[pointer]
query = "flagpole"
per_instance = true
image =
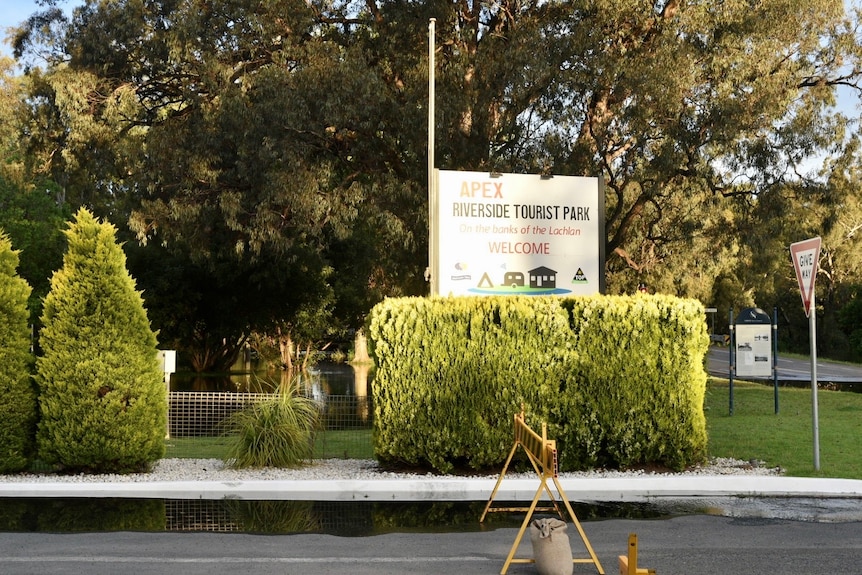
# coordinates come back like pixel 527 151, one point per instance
pixel 431 273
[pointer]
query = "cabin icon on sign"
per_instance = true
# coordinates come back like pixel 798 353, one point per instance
pixel 543 277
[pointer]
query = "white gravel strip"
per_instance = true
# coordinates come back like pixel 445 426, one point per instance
pixel 214 470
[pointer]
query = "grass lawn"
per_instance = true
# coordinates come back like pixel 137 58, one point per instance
pixel 754 431
pixel 352 444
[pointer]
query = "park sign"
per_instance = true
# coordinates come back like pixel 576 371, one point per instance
pixel 753 343
pixel 517 234
pixel 805 255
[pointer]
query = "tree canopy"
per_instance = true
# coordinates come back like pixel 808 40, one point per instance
pixel 291 135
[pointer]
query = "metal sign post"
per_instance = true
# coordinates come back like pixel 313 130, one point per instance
pixel 775 357
pixel 815 419
pixel 805 256
pixel 432 273
pixel 731 363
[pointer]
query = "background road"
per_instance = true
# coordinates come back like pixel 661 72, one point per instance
pixel 790 369
pixel 687 545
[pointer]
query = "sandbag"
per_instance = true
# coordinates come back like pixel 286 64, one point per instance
pixel 551 548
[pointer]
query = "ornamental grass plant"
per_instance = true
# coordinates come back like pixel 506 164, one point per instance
pixel 275 432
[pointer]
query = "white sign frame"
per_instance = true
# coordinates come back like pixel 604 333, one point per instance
pixel 517 234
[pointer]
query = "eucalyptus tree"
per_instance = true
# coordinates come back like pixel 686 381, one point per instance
pixel 241 137
pixel 681 104
pixel 237 130
pixel 831 209
pixel 10 107
pixel 687 110
pixel 29 210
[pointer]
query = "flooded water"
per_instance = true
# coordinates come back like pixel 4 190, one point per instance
pixel 352 519
pixel 811 509
pixel 360 519
pixel 326 378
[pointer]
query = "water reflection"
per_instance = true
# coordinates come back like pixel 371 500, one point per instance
pixel 81 515
pixel 365 518
pixel 326 378
pixel 343 518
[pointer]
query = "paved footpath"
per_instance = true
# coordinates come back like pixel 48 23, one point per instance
pixel 687 545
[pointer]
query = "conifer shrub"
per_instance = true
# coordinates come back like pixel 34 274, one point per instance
pixel 452 372
pixel 641 386
pixel 102 398
pixel 619 380
pixel 17 395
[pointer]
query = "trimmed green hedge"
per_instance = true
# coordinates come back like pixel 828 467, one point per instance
pixel 641 384
pixel 619 380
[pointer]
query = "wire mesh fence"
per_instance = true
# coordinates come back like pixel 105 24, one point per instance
pixel 344 429
pixel 233 515
pixel 202 414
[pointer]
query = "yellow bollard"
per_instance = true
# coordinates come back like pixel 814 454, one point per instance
pixel 629 562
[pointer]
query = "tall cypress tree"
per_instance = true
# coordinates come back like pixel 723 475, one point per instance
pixel 17 396
pixel 102 399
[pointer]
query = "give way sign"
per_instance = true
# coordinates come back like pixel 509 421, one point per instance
pixel 805 255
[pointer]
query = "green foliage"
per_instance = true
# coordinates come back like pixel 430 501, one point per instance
pixel 641 384
pixel 34 221
pixel 619 380
pixel 206 310
pixel 451 373
pixel 274 432
pixel 850 320
pixel 103 402
pixel 707 135
pixel 18 403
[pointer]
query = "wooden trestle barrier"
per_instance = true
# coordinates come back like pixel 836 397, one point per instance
pixel 542 453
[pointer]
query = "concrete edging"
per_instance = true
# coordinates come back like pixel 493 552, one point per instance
pixel 643 488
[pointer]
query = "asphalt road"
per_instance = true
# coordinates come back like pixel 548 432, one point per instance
pixel 790 369
pixel 688 545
